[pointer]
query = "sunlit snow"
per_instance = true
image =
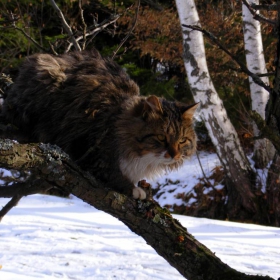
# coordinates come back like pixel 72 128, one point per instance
pixel 47 237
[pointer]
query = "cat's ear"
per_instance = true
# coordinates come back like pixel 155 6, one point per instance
pixel 188 112
pixel 152 103
pixel 148 107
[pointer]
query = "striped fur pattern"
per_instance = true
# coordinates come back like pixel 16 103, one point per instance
pixel 89 106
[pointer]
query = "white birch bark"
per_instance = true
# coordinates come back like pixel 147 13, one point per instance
pixel 256 64
pixel 220 129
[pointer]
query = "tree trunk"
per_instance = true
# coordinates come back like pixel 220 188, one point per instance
pixel 146 218
pixel 263 149
pixel 273 128
pixel 240 176
pixel 273 192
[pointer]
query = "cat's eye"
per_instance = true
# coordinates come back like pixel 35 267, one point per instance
pixel 184 140
pixel 161 137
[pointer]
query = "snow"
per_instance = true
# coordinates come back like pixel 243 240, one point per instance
pixel 48 237
pixel 183 180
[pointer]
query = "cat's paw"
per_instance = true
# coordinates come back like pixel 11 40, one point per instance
pixel 138 193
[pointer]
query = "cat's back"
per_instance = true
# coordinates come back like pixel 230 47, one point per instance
pixel 66 92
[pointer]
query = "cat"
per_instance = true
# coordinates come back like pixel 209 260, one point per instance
pixel 91 108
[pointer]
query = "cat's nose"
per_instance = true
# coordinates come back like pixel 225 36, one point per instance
pixel 173 153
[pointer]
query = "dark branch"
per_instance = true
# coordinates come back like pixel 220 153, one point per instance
pixel 154 4
pixel 242 66
pixel 83 23
pixel 273 104
pixel 31 186
pixel 256 15
pixel 130 31
pixel 24 33
pixel 94 30
pixel 265 130
pixel 272 7
pixel 65 25
pixel 266 74
pixel 12 203
pixel 146 218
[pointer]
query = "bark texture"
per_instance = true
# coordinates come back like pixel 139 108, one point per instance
pixel 263 149
pixel 49 166
pixel 273 191
pixel 273 106
pixel 272 131
pixel 240 176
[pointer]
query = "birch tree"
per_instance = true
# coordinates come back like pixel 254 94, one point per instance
pixel 240 176
pixel 47 166
pixel 256 64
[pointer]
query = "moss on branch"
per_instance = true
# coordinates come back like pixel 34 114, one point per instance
pixel 52 167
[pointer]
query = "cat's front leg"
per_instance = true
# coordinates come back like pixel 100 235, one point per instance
pixel 124 185
pixel 138 193
pixel 143 191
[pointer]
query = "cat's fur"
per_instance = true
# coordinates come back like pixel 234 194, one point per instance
pixel 90 107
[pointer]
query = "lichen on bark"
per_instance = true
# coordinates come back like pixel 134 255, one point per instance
pixel 155 224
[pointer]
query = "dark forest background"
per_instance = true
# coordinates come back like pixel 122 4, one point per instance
pixel 146 41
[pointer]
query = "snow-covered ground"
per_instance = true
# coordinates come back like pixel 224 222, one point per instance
pixel 183 180
pixel 47 237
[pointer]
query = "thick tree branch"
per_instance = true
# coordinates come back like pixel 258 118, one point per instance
pixel 146 218
pixel 83 24
pixel 12 203
pixel 29 187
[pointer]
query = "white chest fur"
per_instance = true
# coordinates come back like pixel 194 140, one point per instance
pixel 148 167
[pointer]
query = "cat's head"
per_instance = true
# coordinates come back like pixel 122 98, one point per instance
pixel 159 136
pixel 168 130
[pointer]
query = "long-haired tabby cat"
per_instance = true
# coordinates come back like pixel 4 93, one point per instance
pixel 90 107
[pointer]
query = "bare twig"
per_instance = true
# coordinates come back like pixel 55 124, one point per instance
pixel 83 23
pixel 25 34
pixel 9 21
pixel 96 30
pixel 29 38
pixel 66 27
pixel 130 31
pixel 242 66
pixel 202 170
